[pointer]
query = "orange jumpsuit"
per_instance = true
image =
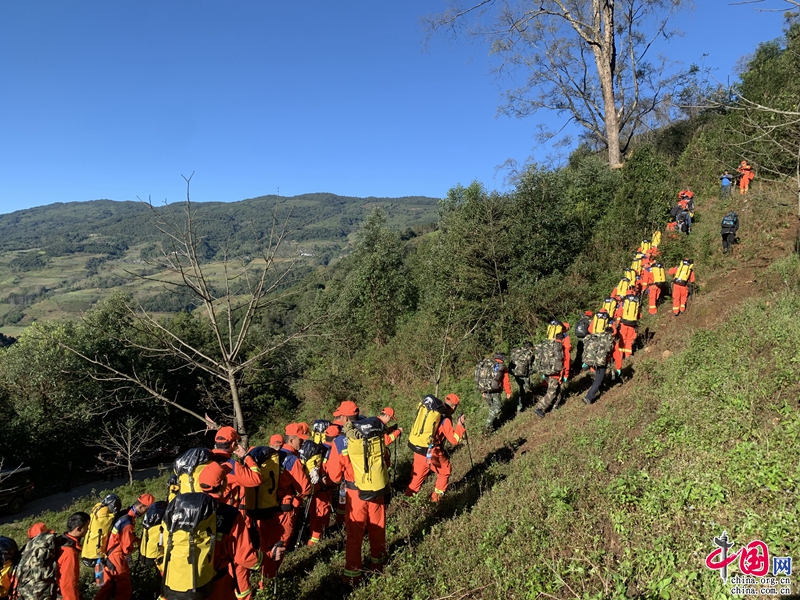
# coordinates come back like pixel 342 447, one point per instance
pixel 293 485
pixel 68 568
pixel 233 551
pixel 241 476
pixel 616 353
pixel 440 461
pixel 361 515
pixel 747 175
pixel 653 291
pixel 680 293
pixel 320 512
pixel 121 544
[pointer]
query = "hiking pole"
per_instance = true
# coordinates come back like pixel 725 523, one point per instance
pixel 394 466
pixel 299 539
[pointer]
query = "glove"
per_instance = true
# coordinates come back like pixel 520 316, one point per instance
pixel 564 379
pixel 313 476
pixel 544 377
pixel 619 373
pixel 508 396
pixel 584 366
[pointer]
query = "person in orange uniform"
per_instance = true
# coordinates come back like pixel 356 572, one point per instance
pixel 746 175
pixel 293 486
pixel 121 545
pixel 554 381
pixel 233 551
pixel 361 516
pixel 392 433
pixel 629 319
pixel 276 441
pixel 440 460
pixel 347 411
pixel 68 556
pixel 683 277
pixel 241 475
pixel 653 287
pixel 322 499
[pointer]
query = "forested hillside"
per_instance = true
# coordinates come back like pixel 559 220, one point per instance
pixel 58 260
pixel 618 499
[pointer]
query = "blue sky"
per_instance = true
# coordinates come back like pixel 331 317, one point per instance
pixel 118 99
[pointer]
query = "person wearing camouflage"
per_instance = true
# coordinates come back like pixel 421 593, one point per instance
pixel 521 359
pixel 555 371
pixel 491 377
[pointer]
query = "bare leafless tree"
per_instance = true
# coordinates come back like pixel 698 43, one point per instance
pixel 586 59
pixel 127 439
pixel 230 305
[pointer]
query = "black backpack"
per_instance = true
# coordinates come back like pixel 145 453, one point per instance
pixel 729 220
pixel 582 328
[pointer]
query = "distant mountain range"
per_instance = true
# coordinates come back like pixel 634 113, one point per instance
pixel 320 216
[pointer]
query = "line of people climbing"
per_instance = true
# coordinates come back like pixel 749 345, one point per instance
pixel 231 513
pixel 605 338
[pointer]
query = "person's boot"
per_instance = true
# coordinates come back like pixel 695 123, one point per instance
pixel 586 400
pixel 539 412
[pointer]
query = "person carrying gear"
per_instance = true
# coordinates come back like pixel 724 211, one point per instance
pixel 682 278
pixel 582 329
pixel 521 360
pixel 241 475
pixel 684 220
pixel 726 183
pixel 686 201
pixel 68 572
pixel 293 487
pixel 367 459
pixel 622 288
pixel 730 225
pixel 746 175
pixel 655 239
pixel 636 264
pixel 322 499
pixel 276 441
pixel 653 278
pixel 347 411
pixel 431 428
pixel 554 373
pixel 121 545
pixel 229 546
pixel 598 354
pixel 631 310
pixel 491 377
pixel 609 306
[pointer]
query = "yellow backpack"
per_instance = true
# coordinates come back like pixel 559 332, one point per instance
pixel 683 272
pixel 656 239
pixel 101 520
pixel 636 265
pixel 600 322
pixel 623 286
pixel 429 414
pixel 152 547
pixel 193 524
pixel 610 305
pixel 630 309
pixel 553 329
pixel 188 467
pixel 646 245
pixel 366 450
pixel 629 274
pixel 260 502
pixel 318 430
pixel 658 272
pixel 311 454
